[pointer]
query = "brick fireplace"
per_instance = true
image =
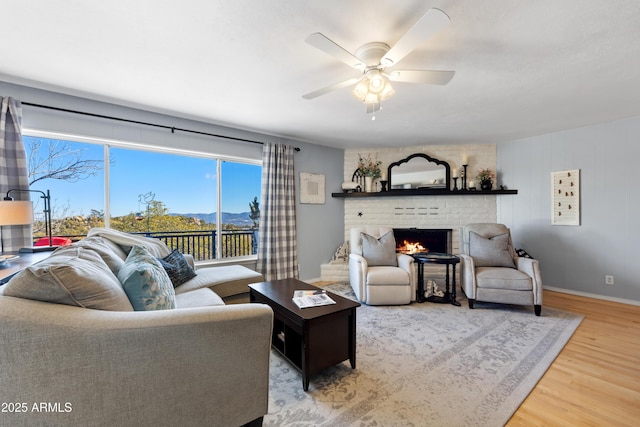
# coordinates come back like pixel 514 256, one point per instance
pixel 422 212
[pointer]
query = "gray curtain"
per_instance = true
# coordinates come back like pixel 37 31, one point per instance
pixel 13 170
pixel 277 246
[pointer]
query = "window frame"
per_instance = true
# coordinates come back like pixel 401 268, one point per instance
pixel 108 143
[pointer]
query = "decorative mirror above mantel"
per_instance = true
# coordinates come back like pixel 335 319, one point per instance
pixel 419 171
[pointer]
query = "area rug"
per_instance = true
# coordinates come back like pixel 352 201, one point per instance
pixel 426 365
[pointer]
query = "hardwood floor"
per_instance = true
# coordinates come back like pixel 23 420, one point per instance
pixel 595 380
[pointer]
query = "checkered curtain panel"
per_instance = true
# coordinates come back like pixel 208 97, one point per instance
pixel 277 247
pixel 13 170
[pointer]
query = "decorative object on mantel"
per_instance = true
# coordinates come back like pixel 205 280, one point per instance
pixel 565 187
pixel 454 175
pixel 312 188
pixel 351 187
pixel 370 169
pixel 486 176
pixel 419 171
pixel 465 163
pixel 472 185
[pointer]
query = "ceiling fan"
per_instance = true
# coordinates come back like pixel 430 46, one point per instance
pixel 375 58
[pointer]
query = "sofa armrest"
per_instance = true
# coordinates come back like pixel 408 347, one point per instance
pixel 198 366
pixel 531 267
pixel 407 262
pixel 358 275
pixel 190 260
pixel 468 276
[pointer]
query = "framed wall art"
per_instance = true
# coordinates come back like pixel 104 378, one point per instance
pixel 565 198
pixel 311 188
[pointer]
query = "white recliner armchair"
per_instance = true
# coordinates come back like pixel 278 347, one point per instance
pixel 379 275
pixel 492 271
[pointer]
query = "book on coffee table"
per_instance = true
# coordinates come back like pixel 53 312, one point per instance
pixel 310 298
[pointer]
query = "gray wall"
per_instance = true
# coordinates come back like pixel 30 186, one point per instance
pixel 320 227
pixel 577 258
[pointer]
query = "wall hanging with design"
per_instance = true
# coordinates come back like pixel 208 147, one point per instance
pixel 565 186
pixel 311 188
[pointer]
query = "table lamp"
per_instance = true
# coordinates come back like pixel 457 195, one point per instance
pixel 15 213
pixel 20 210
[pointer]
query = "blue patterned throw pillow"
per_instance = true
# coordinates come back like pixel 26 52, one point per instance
pixel 145 282
pixel 177 267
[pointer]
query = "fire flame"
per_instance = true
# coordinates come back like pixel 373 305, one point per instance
pixel 411 247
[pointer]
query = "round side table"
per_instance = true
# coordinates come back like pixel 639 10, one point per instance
pixel 423 258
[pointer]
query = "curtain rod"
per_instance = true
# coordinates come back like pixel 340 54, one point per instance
pixel 119 119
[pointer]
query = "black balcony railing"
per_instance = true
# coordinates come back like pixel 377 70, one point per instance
pixel 202 243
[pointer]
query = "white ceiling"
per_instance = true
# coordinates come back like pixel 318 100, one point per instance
pixel 522 67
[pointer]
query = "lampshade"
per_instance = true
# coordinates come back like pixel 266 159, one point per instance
pixel 16 212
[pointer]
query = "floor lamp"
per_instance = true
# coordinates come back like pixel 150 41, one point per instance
pixel 47 217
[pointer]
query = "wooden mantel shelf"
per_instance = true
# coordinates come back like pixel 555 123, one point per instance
pixel 423 192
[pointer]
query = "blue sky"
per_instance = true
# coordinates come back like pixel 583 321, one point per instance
pixel 183 184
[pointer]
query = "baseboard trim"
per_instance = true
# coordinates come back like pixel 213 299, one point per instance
pixel 595 296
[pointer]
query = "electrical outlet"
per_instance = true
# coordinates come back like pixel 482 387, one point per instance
pixel 608 280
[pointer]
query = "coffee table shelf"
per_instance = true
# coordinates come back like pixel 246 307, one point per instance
pixel 311 339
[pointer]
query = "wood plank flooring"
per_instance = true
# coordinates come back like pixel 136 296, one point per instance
pixel 595 380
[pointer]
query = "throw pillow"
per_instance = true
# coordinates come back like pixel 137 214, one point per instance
pixel 177 267
pixel 72 276
pixel 493 252
pixel 380 251
pixel 145 282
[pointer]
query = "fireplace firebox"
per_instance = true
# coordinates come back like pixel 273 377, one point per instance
pixel 414 240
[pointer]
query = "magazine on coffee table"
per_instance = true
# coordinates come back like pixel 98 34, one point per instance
pixel 310 298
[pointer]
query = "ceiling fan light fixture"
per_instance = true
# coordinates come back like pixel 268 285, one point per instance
pixel 387 92
pixel 361 89
pixel 373 88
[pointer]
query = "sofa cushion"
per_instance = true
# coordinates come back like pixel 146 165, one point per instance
pixel 493 252
pixel 73 276
pixel 111 254
pixel 145 281
pixel 380 251
pixel 203 297
pixel 177 267
pixel 224 280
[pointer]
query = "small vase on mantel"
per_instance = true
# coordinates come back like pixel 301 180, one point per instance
pixel 486 184
pixel 368 184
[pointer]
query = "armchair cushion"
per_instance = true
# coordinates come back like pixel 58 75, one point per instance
pixel 73 276
pixel 493 252
pixel 145 282
pixel 381 251
pixel 503 278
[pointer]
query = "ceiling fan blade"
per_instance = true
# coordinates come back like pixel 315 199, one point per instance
pixel 422 76
pixel 329 47
pixel 432 22
pixel 331 88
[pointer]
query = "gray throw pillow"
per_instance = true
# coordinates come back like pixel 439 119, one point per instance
pixel 73 276
pixel 380 251
pixel 493 252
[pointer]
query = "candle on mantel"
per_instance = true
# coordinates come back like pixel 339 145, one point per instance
pixel 465 159
pixel 471 184
pixel 383 175
pixel 455 173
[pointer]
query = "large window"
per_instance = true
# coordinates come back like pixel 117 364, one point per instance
pixel 196 203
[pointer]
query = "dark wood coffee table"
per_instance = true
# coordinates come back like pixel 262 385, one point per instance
pixel 312 339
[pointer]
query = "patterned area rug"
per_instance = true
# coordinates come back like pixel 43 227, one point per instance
pixel 426 365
